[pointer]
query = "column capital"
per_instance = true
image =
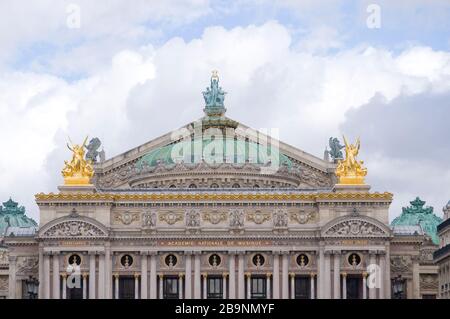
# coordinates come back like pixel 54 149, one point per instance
pixel 373 253
pixel 312 274
pixel 343 274
pixel 63 274
pixel 144 253
pixel 116 275
pixel 269 274
pixel 292 274
pixel 188 252
pixel 232 252
pixel 336 252
pixel 276 252
pixel 136 275
pixel 92 253
pixel 180 275
pixel 153 253
pixel 364 274
pixel 84 275
pixel 225 275
pixel 327 252
pixel 160 275
pixel 204 274
pixel 248 274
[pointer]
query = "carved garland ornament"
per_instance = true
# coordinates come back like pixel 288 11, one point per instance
pixel 355 228
pixel 215 217
pixel 258 217
pixel 302 217
pixel 126 218
pixel 74 229
pixel 171 217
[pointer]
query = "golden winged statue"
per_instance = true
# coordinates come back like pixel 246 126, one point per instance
pixel 350 170
pixel 78 171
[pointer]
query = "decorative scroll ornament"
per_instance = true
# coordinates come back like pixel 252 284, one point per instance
pixel 149 219
pixel 74 229
pixel 215 217
pixel 355 228
pixel 350 170
pixel 126 218
pixel 78 171
pixel 193 218
pixel 171 217
pixel 280 217
pixel 258 217
pixel 236 217
pixel 302 217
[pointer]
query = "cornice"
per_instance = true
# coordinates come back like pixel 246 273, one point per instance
pixel 110 197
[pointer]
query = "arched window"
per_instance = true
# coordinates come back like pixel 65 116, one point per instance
pixel 214 185
pixel 236 185
pixel 192 186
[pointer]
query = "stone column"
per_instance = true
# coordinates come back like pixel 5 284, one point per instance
pixel 92 275
pixel 12 277
pixel 116 285
pixel 205 285
pixel 188 281
pixel 41 273
pixel 344 285
pixel 101 276
pixel 241 279
pixel 321 274
pixel 197 276
pixel 364 275
pixel 269 290
pixel 136 285
pixel 387 274
pixel 55 277
pixel 337 275
pixel 161 286
pixel 248 277
pixel 313 290
pixel 153 291
pixel 180 285
pixel 232 280
pixel 285 276
pixel 144 278
pixel 415 279
pixel 46 281
pixel 292 285
pixel 84 275
pixel 224 285
pixel 327 277
pixel 276 276
pixel 64 286
pixel 382 275
pixel 108 271
pixel 373 290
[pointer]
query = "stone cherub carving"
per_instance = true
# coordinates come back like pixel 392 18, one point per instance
pixel 280 218
pixel 350 170
pixel 193 218
pixel 149 219
pixel 236 218
pixel 79 170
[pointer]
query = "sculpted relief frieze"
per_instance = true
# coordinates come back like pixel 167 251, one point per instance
pixel 258 217
pixel 193 217
pixel 401 264
pixel 170 217
pixel 215 217
pixel 74 228
pixel 429 281
pixel 126 218
pixel 355 227
pixel 3 257
pixel 149 219
pixel 280 218
pixel 4 283
pixel 236 217
pixel 302 217
pixel 27 265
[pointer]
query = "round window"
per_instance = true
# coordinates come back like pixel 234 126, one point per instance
pixel 126 261
pixel 302 260
pixel 214 260
pixel 258 260
pixel 354 259
pixel 170 260
pixel 75 259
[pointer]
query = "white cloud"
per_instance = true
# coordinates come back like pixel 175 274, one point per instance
pixel 142 93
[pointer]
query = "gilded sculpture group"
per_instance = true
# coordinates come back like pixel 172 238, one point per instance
pixel 79 170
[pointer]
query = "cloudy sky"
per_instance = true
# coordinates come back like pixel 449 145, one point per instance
pixel 129 71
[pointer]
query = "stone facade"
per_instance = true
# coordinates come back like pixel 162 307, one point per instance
pixel 442 255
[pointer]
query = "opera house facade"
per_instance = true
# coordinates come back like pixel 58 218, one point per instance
pixel 218 210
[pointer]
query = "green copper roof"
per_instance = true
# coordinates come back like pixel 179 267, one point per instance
pixel 417 214
pixel 229 150
pixel 11 214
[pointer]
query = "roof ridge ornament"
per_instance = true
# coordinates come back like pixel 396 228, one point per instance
pixel 214 97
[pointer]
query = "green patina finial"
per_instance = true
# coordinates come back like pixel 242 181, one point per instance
pixel 11 214
pixel 417 214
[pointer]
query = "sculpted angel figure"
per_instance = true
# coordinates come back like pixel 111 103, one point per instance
pixel 78 167
pixel 350 167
